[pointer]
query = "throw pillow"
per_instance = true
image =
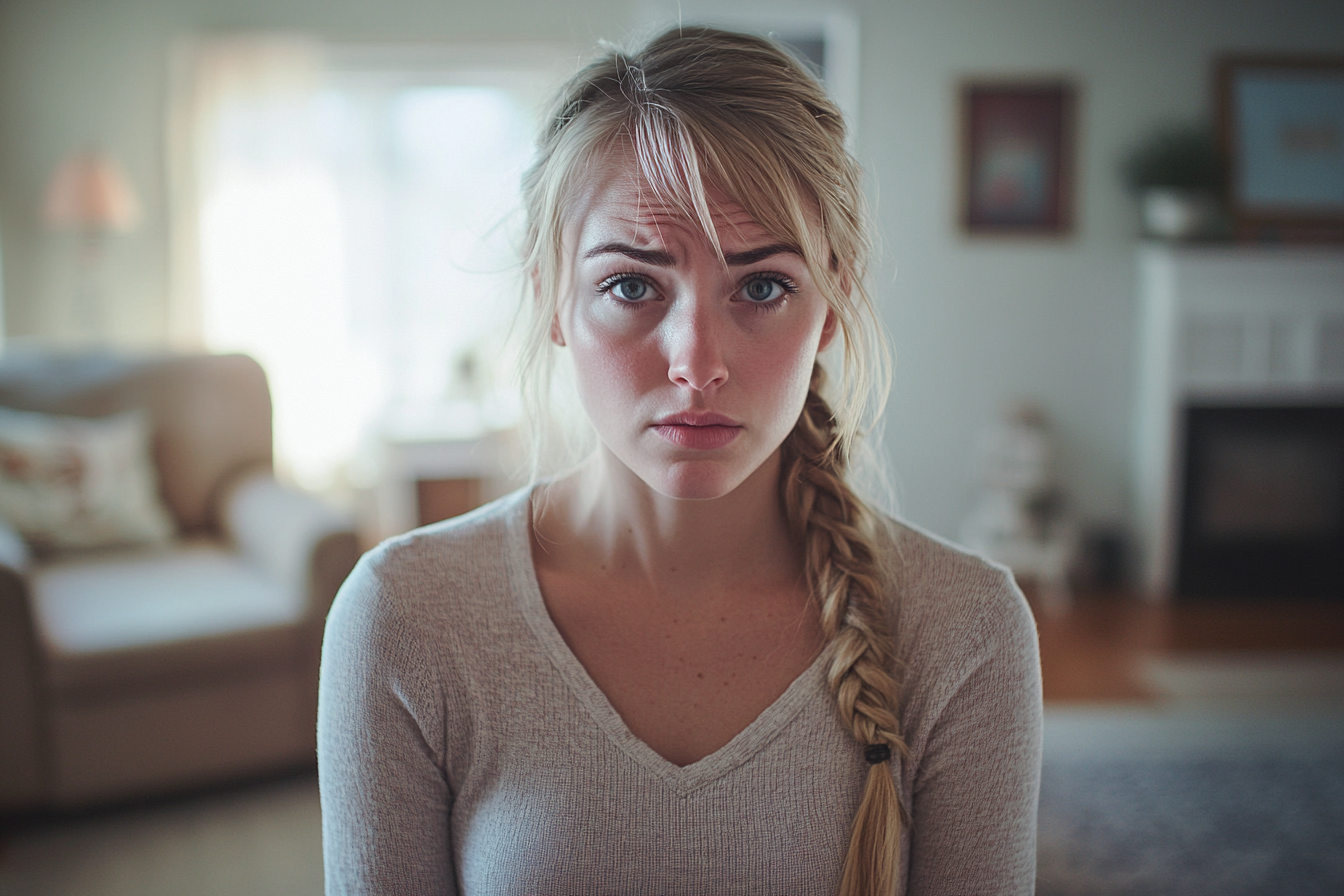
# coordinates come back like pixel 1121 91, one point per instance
pixel 75 482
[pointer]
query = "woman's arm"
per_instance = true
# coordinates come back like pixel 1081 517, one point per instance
pixel 978 780
pixel 385 799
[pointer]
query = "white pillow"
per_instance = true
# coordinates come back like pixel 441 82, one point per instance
pixel 75 482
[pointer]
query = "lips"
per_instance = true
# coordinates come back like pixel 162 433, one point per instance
pixel 699 430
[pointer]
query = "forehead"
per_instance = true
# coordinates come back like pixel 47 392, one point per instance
pixel 616 202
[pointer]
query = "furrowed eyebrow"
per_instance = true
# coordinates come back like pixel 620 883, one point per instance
pixel 654 257
pixel 751 256
pixel 661 259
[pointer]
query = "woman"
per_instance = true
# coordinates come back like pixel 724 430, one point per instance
pixel 696 663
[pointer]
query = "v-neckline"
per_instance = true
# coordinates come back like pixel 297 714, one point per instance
pixel 682 779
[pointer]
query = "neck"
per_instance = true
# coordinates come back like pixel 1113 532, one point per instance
pixel 606 516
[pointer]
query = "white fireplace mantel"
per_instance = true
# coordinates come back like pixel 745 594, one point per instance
pixel 1223 325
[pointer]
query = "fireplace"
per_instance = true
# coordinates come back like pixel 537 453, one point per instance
pixel 1238 453
pixel 1262 512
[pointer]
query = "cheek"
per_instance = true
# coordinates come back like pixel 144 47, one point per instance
pixel 783 367
pixel 795 378
pixel 610 366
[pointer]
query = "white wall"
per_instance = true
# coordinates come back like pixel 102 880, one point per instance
pixel 975 322
pixel 980 322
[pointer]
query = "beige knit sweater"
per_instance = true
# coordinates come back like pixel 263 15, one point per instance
pixel 464 749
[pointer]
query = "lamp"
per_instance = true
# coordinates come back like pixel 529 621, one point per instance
pixel 90 195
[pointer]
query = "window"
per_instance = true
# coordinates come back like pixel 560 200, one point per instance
pixel 352 219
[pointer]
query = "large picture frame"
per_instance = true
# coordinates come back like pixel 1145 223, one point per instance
pixel 825 36
pixel 1017 157
pixel 1281 127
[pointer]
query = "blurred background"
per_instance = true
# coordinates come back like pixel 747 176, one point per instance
pixel 330 187
pixel 164 88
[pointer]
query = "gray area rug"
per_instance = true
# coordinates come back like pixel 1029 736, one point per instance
pixel 1258 826
pixel 1201 801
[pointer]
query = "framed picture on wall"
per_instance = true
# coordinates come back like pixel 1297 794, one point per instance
pixel 824 36
pixel 1017 157
pixel 1281 122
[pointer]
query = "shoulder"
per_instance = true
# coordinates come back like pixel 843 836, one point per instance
pixel 473 541
pixel 948 600
pixel 429 575
pixel 966 650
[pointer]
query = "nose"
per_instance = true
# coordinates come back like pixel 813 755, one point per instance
pixel 694 346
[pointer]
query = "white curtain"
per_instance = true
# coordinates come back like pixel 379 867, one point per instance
pixel 258 260
pixel 344 216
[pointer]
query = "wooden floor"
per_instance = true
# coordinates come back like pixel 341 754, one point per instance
pixel 1089 651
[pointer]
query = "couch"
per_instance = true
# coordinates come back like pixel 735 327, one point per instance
pixel 134 670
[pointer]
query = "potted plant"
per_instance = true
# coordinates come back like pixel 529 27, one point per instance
pixel 1177 174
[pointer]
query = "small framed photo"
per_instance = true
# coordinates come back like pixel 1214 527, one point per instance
pixel 1017 157
pixel 1281 124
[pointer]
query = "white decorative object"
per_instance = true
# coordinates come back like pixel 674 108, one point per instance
pixel 1020 518
pixel 1232 325
pixel 74 482
pixel 1178 214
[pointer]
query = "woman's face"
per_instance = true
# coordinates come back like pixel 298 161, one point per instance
pixel 692 372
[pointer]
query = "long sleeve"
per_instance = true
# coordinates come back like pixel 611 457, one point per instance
pixel 385 797
pixel 972 719
pixel 976 792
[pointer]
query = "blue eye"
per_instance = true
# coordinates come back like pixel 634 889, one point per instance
pixel 629 289
pixel 764 289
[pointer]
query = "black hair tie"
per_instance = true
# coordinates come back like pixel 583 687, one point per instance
pixel 876 753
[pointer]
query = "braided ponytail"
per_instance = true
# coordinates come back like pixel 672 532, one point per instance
pixel 835 528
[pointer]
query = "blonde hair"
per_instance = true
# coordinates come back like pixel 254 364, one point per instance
pixel 702 109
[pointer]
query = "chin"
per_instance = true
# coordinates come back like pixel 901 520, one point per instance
pixel 692 482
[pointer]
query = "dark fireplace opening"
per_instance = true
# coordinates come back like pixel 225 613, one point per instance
pixel 1262 513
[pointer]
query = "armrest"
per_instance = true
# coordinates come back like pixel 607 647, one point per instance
pixel 21 780
pixel 13 549
pixel 296 537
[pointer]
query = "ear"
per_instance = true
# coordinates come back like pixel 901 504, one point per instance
pixel 557 336
pixel 832 322
pixel 828 328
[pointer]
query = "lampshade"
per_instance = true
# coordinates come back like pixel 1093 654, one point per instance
pixel 89 192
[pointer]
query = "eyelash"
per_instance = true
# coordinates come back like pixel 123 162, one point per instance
pixel 607 285
pixel 784 282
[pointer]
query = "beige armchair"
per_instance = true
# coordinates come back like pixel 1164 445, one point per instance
pixel 130 672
